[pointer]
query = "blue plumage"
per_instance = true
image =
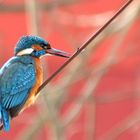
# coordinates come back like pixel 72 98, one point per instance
pixel 17 76
pixel 21 76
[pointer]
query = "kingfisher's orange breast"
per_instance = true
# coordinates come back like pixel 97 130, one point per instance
pixel 39 78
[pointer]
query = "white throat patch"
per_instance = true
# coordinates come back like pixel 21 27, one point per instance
pixel 26 51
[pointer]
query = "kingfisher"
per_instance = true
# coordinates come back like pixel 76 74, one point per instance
pixel 22 75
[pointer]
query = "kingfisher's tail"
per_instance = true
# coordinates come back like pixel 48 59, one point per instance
pixel 4 119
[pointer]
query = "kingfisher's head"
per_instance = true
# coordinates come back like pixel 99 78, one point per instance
pixel 36 46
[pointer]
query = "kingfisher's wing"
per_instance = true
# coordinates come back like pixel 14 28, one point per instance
pixel 15 83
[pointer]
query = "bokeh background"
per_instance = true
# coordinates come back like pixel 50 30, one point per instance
pixel 97 97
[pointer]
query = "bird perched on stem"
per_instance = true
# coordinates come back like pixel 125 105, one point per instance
pixel 21 76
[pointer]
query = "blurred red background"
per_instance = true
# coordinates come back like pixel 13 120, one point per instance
pixel 123 78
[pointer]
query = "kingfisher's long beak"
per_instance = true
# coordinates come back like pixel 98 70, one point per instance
pixel 56 52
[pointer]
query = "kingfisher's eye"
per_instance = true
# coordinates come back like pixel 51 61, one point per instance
pixel 45 46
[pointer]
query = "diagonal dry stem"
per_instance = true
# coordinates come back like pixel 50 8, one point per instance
pixel 85 45
pixel 71 75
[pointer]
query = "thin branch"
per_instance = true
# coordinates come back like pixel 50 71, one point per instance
pixel 71 76
pixel 85 45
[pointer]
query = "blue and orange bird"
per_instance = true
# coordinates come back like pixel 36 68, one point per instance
pixel 21 76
